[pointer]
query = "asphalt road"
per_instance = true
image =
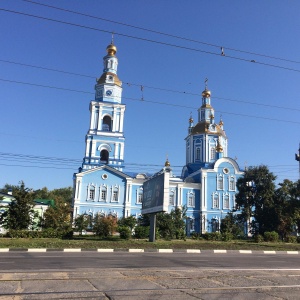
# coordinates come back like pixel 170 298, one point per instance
pixel 124 276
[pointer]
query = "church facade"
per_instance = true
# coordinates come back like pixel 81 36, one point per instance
pixel 206 187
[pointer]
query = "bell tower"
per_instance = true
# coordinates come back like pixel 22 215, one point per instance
pixel 105 137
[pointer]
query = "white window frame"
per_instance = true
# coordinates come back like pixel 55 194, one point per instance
pixel 215 200
pixel 191 199
pixel 226 199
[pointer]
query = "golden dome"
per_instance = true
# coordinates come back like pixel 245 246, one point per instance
pixel 203 128
pixel 206 93
pixel 191 120
pixel 102 79
pixel 111 49
pixel 167 163
pixel 221 123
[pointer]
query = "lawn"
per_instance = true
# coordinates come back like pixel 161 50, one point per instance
pixel 90 242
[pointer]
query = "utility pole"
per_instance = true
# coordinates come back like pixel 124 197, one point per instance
pixel 297 157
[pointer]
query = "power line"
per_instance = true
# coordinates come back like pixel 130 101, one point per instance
pixel 151 41
pixel 151 101
pixel 159 32
pixel 147 86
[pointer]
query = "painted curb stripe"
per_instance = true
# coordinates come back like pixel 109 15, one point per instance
pixel 245 251
pixel 269 252
pixel 4 249
pixel 72 250
pixel 220 251
pixel 136 250
pixel 292 252
pixel 193 251
pixel 105 250
pixel 165 250
pixel 37 250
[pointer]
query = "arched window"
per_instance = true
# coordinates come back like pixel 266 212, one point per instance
pixel 104 156
pixel 197 153
pixel 91 192
pixel 232 184
pixel 103 193
pixel 106 123
pixel 140 196
pixel 191 199
pixel 220 183
pixel 226 202
pixel 171 198
pixel 115 195
pixel 214 225
pixel 212 153
pixel 215 201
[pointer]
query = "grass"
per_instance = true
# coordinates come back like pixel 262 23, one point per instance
pixel 91 242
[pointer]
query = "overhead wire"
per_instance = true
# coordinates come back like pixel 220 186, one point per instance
pixel 147 86
pixel 159 32
pixel 150 40
pixel 150 101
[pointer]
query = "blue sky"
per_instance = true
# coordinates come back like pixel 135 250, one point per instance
pixel 43 129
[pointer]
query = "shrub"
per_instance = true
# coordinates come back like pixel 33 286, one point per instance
pixel 125 232
pixel 104 226
pixel 227 236
pixel 45 233
pixel 258 238
pixel 195 235
pixel 212 236
pixel 271 236
pixel 291 239
pixel 141 232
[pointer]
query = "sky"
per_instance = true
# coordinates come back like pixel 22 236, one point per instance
pixel 167 47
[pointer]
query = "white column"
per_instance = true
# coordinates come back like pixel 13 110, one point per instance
pixel 93 148
pixel 99 125
pixel 122 151
pixel 121 120
pixel 114 119
pixel 87 147
pixel 92 116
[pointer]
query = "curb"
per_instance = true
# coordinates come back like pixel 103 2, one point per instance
pixel 188 251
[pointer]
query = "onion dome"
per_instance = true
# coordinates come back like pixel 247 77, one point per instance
pixel 221 123
pixel 167 163
pixel 191 120
pixel 206 93
pixel 111 49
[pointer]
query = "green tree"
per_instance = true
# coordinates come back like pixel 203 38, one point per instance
pixel 20 214
pixel 172 225
pixel 82 222
pixel 232 225
pixel 129 222
pixel 255 199
pixel 287 207
pixel 104 226
pixel 58 217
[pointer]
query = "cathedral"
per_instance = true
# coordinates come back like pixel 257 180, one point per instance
pixel 206 187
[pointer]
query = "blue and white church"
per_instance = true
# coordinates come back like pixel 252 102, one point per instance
pixel 206 187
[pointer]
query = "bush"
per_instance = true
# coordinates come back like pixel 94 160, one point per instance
pixel 125 232
pixel 271 236
pixel 195 236
pixel 291 239
pixel 141 232
pixel 227 236
pixel 104 226
pixel 258 238
pixel 45 233
pixel 212 236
